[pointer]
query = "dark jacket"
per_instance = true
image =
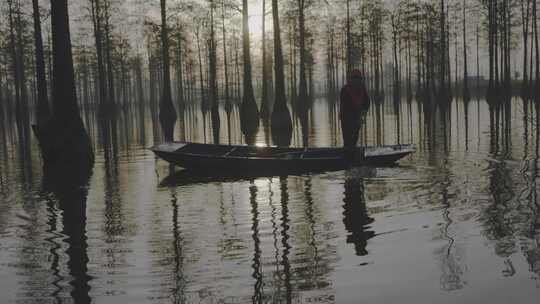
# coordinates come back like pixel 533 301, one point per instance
pixel 353 102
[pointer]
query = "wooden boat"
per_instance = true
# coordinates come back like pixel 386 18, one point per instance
pixel 192 177
pixel 208 157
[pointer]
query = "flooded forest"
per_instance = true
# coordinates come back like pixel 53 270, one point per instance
pixel 88 214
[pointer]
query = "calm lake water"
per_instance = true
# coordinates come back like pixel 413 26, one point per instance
pixel 458 222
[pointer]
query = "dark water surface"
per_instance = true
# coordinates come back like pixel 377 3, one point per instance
pixel 458 222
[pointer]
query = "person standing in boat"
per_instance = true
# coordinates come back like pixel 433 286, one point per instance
pixel 354 104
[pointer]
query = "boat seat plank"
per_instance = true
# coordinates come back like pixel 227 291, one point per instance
pixel 230 151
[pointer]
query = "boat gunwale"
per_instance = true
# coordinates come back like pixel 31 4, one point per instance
pixel 407 149
pixel 223 157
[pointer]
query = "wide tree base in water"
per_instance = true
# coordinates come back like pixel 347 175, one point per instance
pixel 66 149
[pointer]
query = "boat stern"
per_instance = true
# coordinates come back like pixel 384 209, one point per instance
pixel 168 147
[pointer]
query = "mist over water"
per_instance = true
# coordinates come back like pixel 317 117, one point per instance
pixel 458 221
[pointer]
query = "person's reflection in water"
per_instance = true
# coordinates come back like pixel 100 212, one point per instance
pixel 355 216
pixel 72 204
pixel 179 289
pixel 452 267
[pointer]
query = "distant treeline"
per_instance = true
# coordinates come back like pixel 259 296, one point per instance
pixel 171 54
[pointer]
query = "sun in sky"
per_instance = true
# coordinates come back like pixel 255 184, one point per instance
pixel 255 18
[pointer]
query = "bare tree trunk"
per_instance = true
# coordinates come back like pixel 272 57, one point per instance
pixel 443 58
pixel 496 46
pixel 249 113
pixel 329 64
pixel 237 68
pixel 152 71
pixel 19 76
pixel 397 85
pixel 228 105
pixel 110 69
pixel 456 58
pixel 490 90
pixel 418 59
pixel 349 38
pixel 302 92
pixel 292 72
pixel 537 54
pixel 213 77
pixel 123 79
pixel 466 93
pixel 2 113
pixel 281 124
pixel 139 82
pixel 64 143
pixel 96 20
pixel 294 91
pixel 24 114
pixel 202 86
pixel 167 113
pixel 303 98
pixel 265 106
pixel 477 59
pixel 180 96
pixel 42 108
pixel 525 16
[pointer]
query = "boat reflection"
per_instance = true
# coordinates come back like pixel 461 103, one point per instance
pixel 189 177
